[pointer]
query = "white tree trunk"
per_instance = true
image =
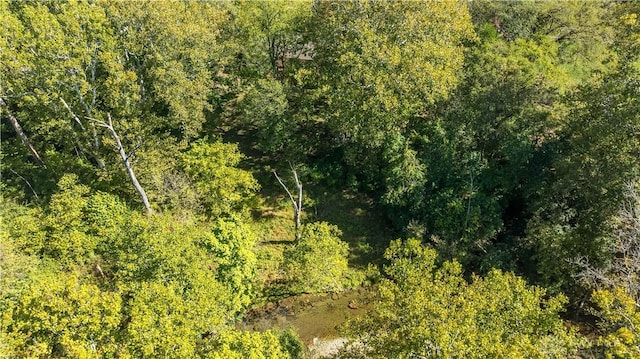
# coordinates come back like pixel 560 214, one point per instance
pixel 127 164
pixel 297 204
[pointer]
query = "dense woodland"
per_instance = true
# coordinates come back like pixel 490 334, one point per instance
pixel 168 165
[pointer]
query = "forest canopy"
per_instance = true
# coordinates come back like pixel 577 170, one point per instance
pixel 473 164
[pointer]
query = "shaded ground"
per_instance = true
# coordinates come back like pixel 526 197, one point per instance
pixel 314 317
pixel 364 227
pixel 355 214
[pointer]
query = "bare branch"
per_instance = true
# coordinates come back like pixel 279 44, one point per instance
pixel 23 136
pixel 624 269
pixel 25 181
pixel 125 161
pixel 293 201
pixel 299 186
pixel 98 122
pixel 75 118
pixel 99 269
pixel 133 151
pixel 96 143
pixel 297 205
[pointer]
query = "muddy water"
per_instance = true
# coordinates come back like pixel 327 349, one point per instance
pixel 312 316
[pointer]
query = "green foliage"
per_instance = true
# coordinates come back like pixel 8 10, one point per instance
pixel 600 148
pixel 170 47
pixel 67 240
pixel 484 154
pixel 265 106
pixel 150 67
pixel 146 285
pixel 503 133
pixel 223 188
pixel 270 344
pixel 497 172
pixel 167 319
pixel 432 311
pixel 616 295
pixel 232 243
pixel 60 231
pixel 581 29
pixel 22 227
pixel 262 33
pixel 384 62
pixel 619 319
pixel 291 343
pixel 59 315
pixel 317 262
pixel 463 176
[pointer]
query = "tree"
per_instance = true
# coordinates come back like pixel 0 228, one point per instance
pixel 232 243
pixel 127 164
pixel 271 89
pixel 89 276
pixel 172 49
pixel 616 286
pixel 581 30
pixel 223 188
pixel 271 344
pixel 296 202
pixel 264 36
pixel 385 62
pixel 475 176
pixel 619 319
pixel 597 154
pixel 265 106
pixel 429 310
pixel 463 175
pixel 317 262
pixel 69 61
pixel 60 315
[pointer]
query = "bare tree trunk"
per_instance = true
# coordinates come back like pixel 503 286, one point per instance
pixel 127 164
pixel 297 205
pixel 96 143
pixel 23 136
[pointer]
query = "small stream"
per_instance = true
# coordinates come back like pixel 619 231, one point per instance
pixel 314 317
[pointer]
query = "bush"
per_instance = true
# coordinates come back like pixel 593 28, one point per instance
pixel 317 262
pixel 223 188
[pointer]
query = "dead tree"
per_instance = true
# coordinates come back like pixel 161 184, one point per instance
pixel 125 161
pixel 297 204
pixel 23 136
pixel 624 269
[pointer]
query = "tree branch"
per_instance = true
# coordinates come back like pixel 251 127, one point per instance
pixel 75 118
pixel 25 181
pixel 297 205
pixel 133 151
pixel 125 161
pixel 23 136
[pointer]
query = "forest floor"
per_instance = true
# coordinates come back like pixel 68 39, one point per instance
pixel 315 318
pixel 362 224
